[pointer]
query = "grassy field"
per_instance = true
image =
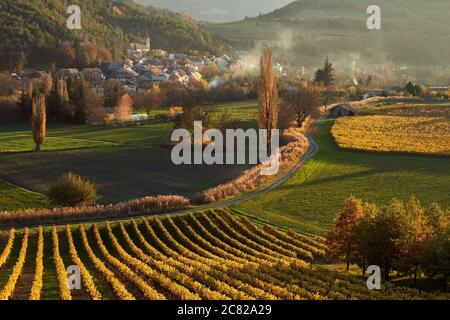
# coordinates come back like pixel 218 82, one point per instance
pixel 310 200
pixel 124 162
pixel 14 198
pixel 243 110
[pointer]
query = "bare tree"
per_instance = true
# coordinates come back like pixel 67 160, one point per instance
pixel 301 102
pixel 39 120
pixel 267 96
pixel 386 75
pixel 152 99
pixel 94 106
pixel 124 108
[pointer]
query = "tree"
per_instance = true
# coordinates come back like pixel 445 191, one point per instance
pixel 386 76
pixel 87 105
pixel 25 100
pixel 72 190
pixel 87 54
pixel 416 232
pixel 325 76
pixel 124 108
pixel 267 96
pixel 384 235
pixel 301 101
pixel 360 236
pixel 66 55
pixel 152 99
pixel 435 259
pixel 48 85
pixel 63 95
pixel 341 239
pixel 38 120
pixel 104 55
pixel 113 91
pixel 411 88
pixel 58 102
pixel 94 110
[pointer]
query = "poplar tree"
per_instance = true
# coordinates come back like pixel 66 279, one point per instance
pixel 39 120
pixel 267 96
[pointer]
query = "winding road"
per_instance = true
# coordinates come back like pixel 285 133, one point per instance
pixel 314 148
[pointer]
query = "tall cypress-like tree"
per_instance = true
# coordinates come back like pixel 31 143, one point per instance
pixel 267 96
pixel 39 120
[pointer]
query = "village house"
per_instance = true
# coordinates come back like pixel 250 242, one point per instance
pixel 180 76
pixel 159 53
pixel 127 75
pixel 197 61
pixel 130 87
pixel 224 62
pixel 195 77
pixel 39 75
pixel 144 82
pixel 162 76
pixel 93 74
pixel 342 110
pixel 138 49
pixel 67 73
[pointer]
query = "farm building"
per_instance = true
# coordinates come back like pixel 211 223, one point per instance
pixel 342 110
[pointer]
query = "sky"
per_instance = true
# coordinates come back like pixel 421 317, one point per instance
pixel 219 10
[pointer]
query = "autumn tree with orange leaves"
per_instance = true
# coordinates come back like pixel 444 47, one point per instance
pixel 341 241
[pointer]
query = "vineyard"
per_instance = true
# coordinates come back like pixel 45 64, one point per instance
pixel 213 255
pixel 389 133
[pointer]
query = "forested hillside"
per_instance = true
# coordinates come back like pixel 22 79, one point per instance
pixel 35 31
pixel 413 32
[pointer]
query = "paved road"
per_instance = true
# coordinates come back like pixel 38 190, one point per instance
pixel 314 148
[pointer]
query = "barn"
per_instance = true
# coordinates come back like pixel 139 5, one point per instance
pixel 342 110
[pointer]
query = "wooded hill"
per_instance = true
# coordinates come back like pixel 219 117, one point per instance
pixel 33 30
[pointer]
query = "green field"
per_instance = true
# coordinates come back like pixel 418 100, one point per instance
pixel 309 201
pixel 124 162
pixel 243 110
pixel 14 198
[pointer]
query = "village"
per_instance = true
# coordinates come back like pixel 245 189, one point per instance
pixel 140 69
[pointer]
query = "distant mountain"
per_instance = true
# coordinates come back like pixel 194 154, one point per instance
pixel 414 32
pixel 219 10
pixel 33 29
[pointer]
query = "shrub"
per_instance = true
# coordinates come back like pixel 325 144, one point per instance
pixel 148 206
pixel 72 190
